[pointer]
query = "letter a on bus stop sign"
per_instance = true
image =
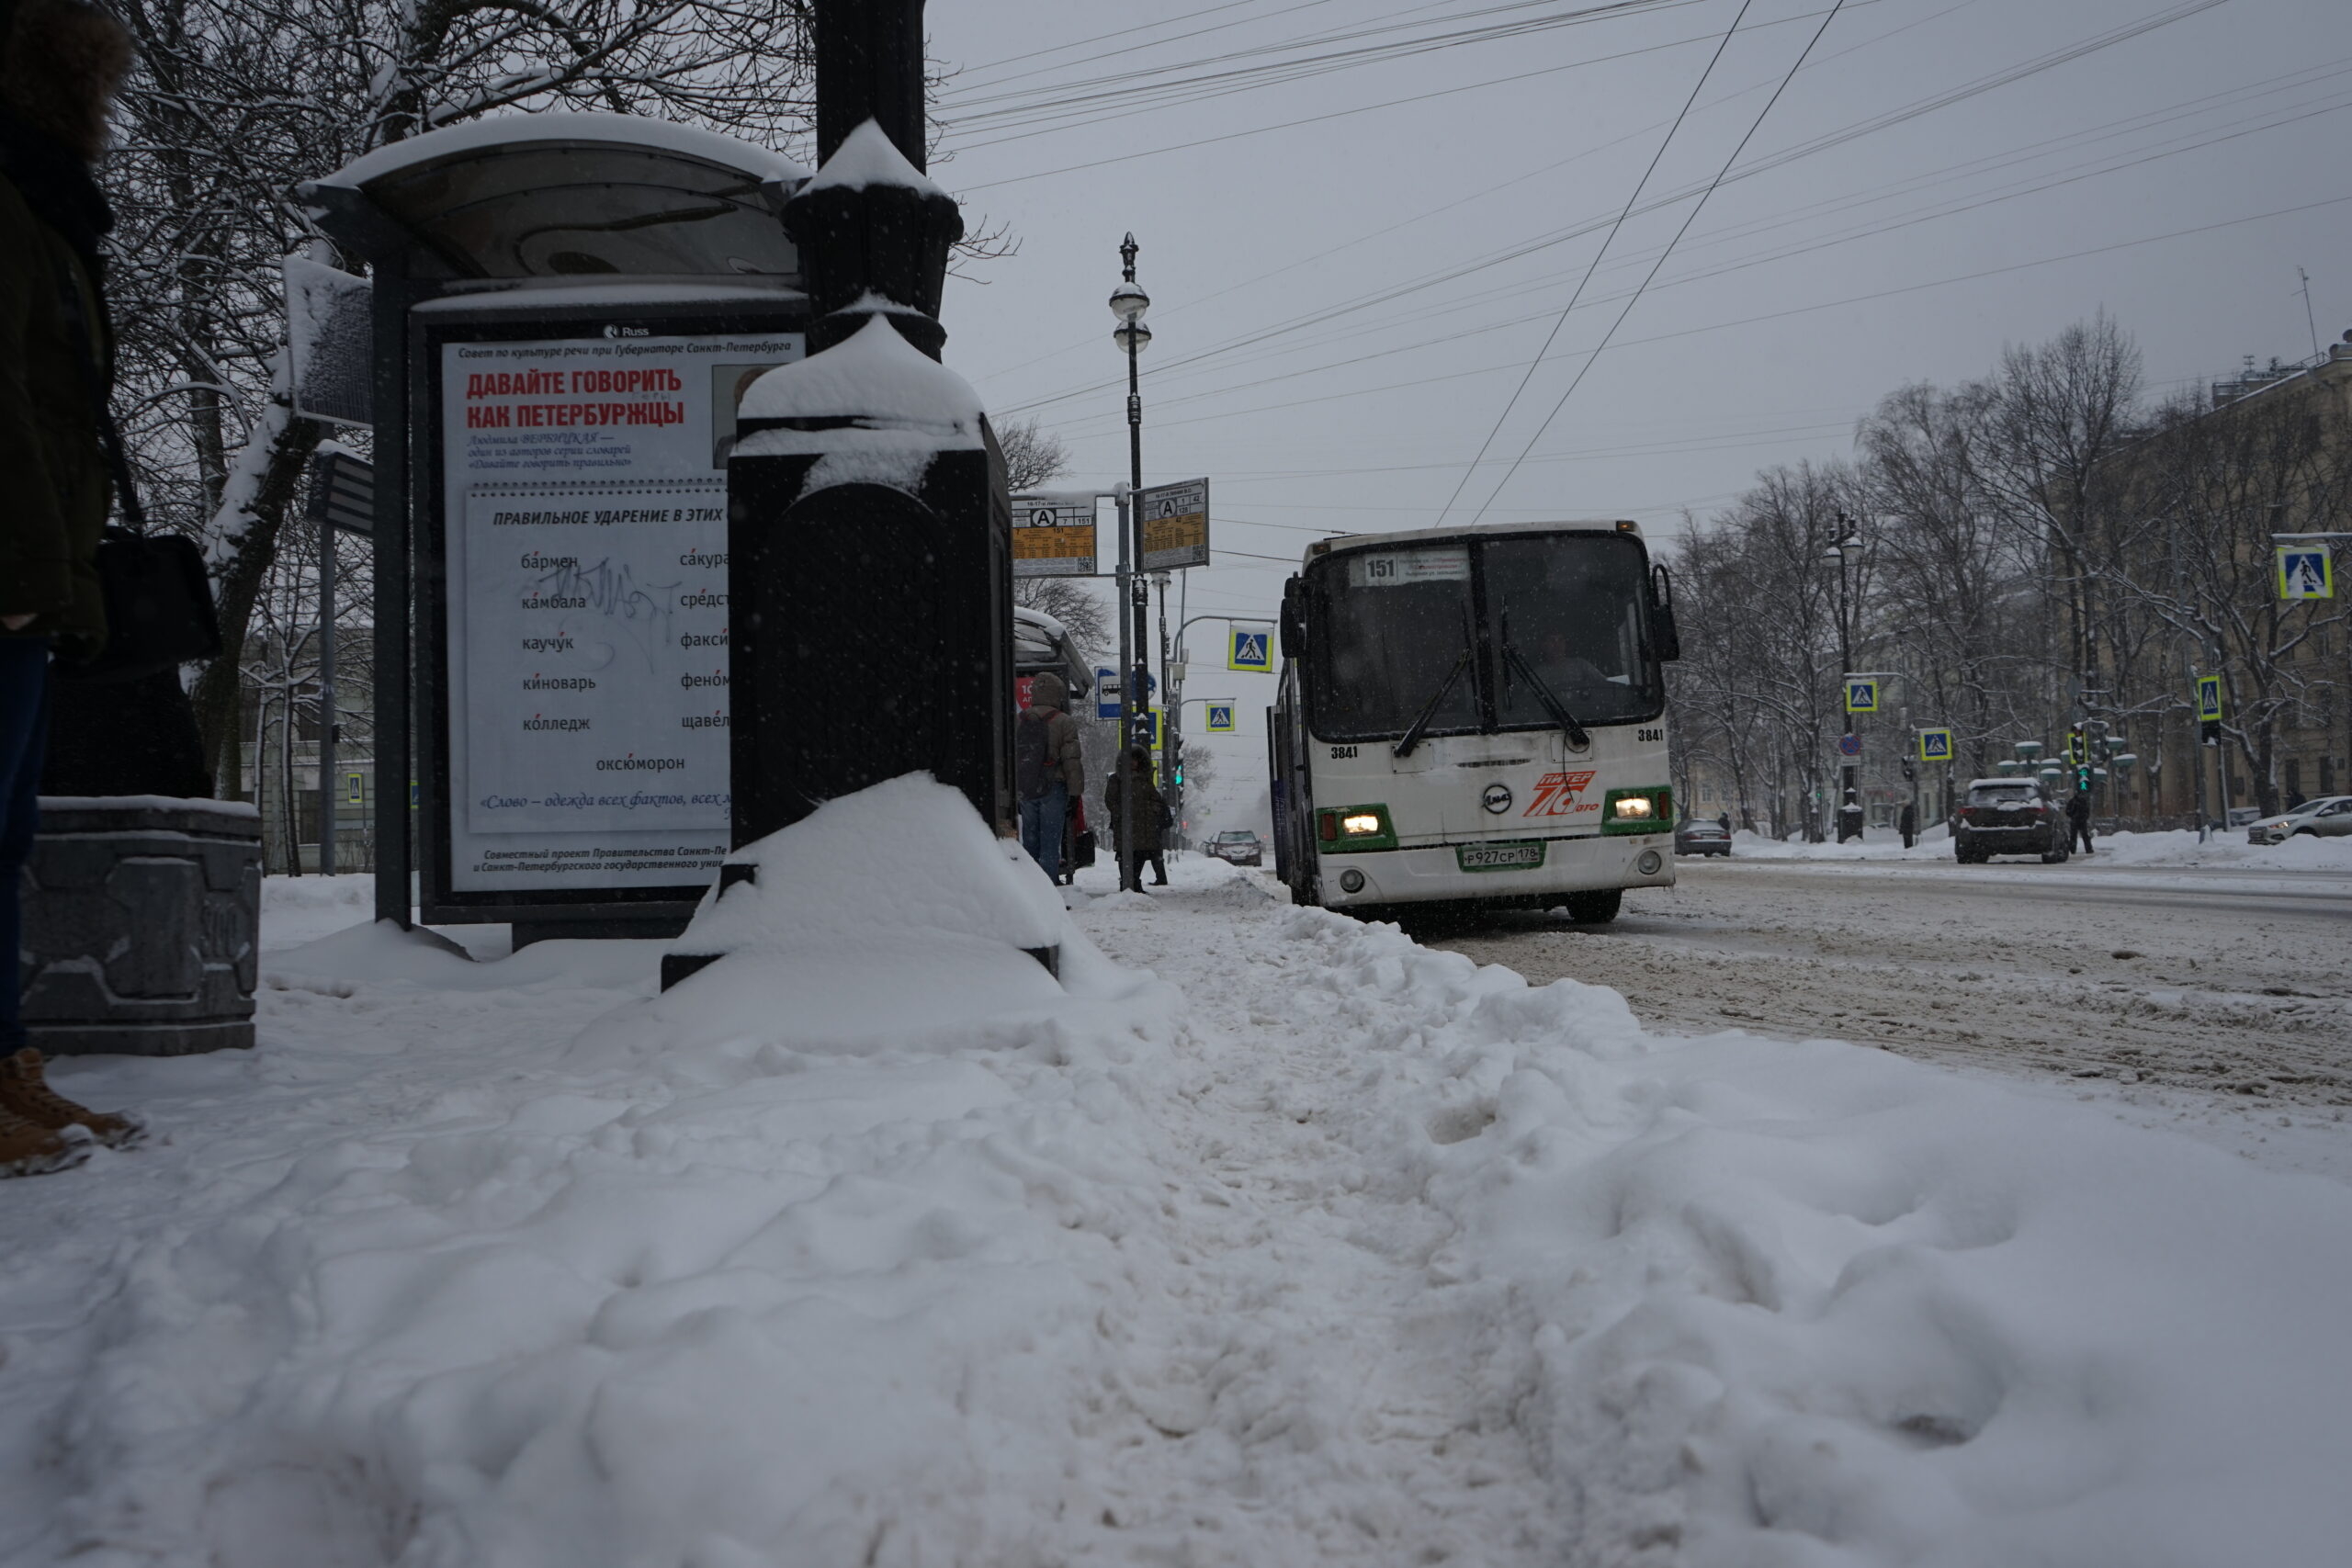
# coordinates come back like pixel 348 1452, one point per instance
pixel 1220 716
pixel 1935 745
pixel 2305 571
pixel 2209 699
pixel 1862 695
pixel 1250 649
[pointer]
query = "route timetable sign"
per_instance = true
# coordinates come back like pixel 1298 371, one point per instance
pixel 1053 535
pixel 1175 525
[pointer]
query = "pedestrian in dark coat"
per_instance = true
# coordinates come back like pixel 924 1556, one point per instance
pixel 1047 771
pixel 1133 770
pixel 1908 823
pixel 2079 821
pixel 61 61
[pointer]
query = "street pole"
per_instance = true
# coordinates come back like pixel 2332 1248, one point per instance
pixel 326 698
pixel 1125 832
pixel 1134 695
pixel 1168 739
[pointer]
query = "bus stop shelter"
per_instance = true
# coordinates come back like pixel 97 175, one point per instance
pixel 564 308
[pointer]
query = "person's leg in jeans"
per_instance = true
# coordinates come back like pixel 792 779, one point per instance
pixel 24 732
pixel 1040 828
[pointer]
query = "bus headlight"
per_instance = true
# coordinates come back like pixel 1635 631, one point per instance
pixel 1645 810
pixel 1352 882
pixel 1347 829
pixel 1649 863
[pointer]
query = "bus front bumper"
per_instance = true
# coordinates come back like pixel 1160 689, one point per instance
pixel 1434 874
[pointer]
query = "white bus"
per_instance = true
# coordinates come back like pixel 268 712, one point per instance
pixel 1476 717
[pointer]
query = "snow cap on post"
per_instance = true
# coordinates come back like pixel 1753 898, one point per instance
pixel 873 233
pixel 875 408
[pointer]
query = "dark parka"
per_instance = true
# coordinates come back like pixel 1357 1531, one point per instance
pixel 1150 809
pixel 1049 702
pixel 50 374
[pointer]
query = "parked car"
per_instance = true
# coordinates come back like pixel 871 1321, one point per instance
pixel 1702 836
pixel 2328 817
pixel 2009 816
pixel 2244 816
pixel 1237 845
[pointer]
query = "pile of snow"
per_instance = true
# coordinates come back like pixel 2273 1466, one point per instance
pixel 2228 847
pixel 2179 847
pixel 873 1243
pixel 1876 843
pixel 298 910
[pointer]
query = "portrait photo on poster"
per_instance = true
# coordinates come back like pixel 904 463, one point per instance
pixel 728 385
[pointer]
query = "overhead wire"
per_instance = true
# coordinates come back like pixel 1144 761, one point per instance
pixel 1639 185
pixel 1391 351
pixel 1195 301
pixel 1824 142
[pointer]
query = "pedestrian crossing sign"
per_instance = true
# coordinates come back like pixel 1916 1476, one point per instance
pixel 1155 725
pixel 2305 572
pixel 1861 694
pixel 1935 745
pixel 2209 699
pixel 1220 716
pixel 1250 649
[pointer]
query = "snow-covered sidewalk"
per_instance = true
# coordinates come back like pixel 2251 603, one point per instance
pixel 1264 1237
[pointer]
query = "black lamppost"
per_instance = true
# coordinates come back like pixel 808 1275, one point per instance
pixel 1128 303
pixel 1847 551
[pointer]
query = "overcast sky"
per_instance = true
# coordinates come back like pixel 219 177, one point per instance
pixel 1362 220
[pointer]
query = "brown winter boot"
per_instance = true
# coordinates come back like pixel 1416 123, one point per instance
pixel 28 1149
pixel 25 1091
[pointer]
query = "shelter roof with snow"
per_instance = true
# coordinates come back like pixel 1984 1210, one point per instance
pixel 564 194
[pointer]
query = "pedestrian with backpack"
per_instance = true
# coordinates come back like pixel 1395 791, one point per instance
pixel 1047 772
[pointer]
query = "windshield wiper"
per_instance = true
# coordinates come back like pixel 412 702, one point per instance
pixel 1428 710
pixel 1552 705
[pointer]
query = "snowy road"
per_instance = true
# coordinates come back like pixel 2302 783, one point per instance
pixel 2210 996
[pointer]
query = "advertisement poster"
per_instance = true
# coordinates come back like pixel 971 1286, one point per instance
pixel 586 491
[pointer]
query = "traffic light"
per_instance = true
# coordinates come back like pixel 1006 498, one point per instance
pixel 2083 778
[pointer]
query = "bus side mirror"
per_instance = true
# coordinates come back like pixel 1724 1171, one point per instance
pixel 1669 641
pixel 1293 618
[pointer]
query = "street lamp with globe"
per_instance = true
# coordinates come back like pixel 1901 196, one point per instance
pixel 1128 304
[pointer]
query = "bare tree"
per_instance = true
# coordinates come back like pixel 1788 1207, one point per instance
pixel 237 102
pixel 1034 456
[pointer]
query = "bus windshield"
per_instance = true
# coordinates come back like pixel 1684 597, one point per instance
pixel 1477 633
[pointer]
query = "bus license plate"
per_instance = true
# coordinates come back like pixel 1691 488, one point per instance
pixel 1498 857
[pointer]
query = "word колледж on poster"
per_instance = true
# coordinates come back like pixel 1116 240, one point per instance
pixel 588 605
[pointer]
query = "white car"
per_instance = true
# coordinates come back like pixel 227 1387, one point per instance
pixel 2328 817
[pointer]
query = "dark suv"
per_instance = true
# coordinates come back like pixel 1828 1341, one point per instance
pixel 2010 816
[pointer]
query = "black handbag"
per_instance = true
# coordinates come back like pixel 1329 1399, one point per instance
pixel 157 595
pixel 159 607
